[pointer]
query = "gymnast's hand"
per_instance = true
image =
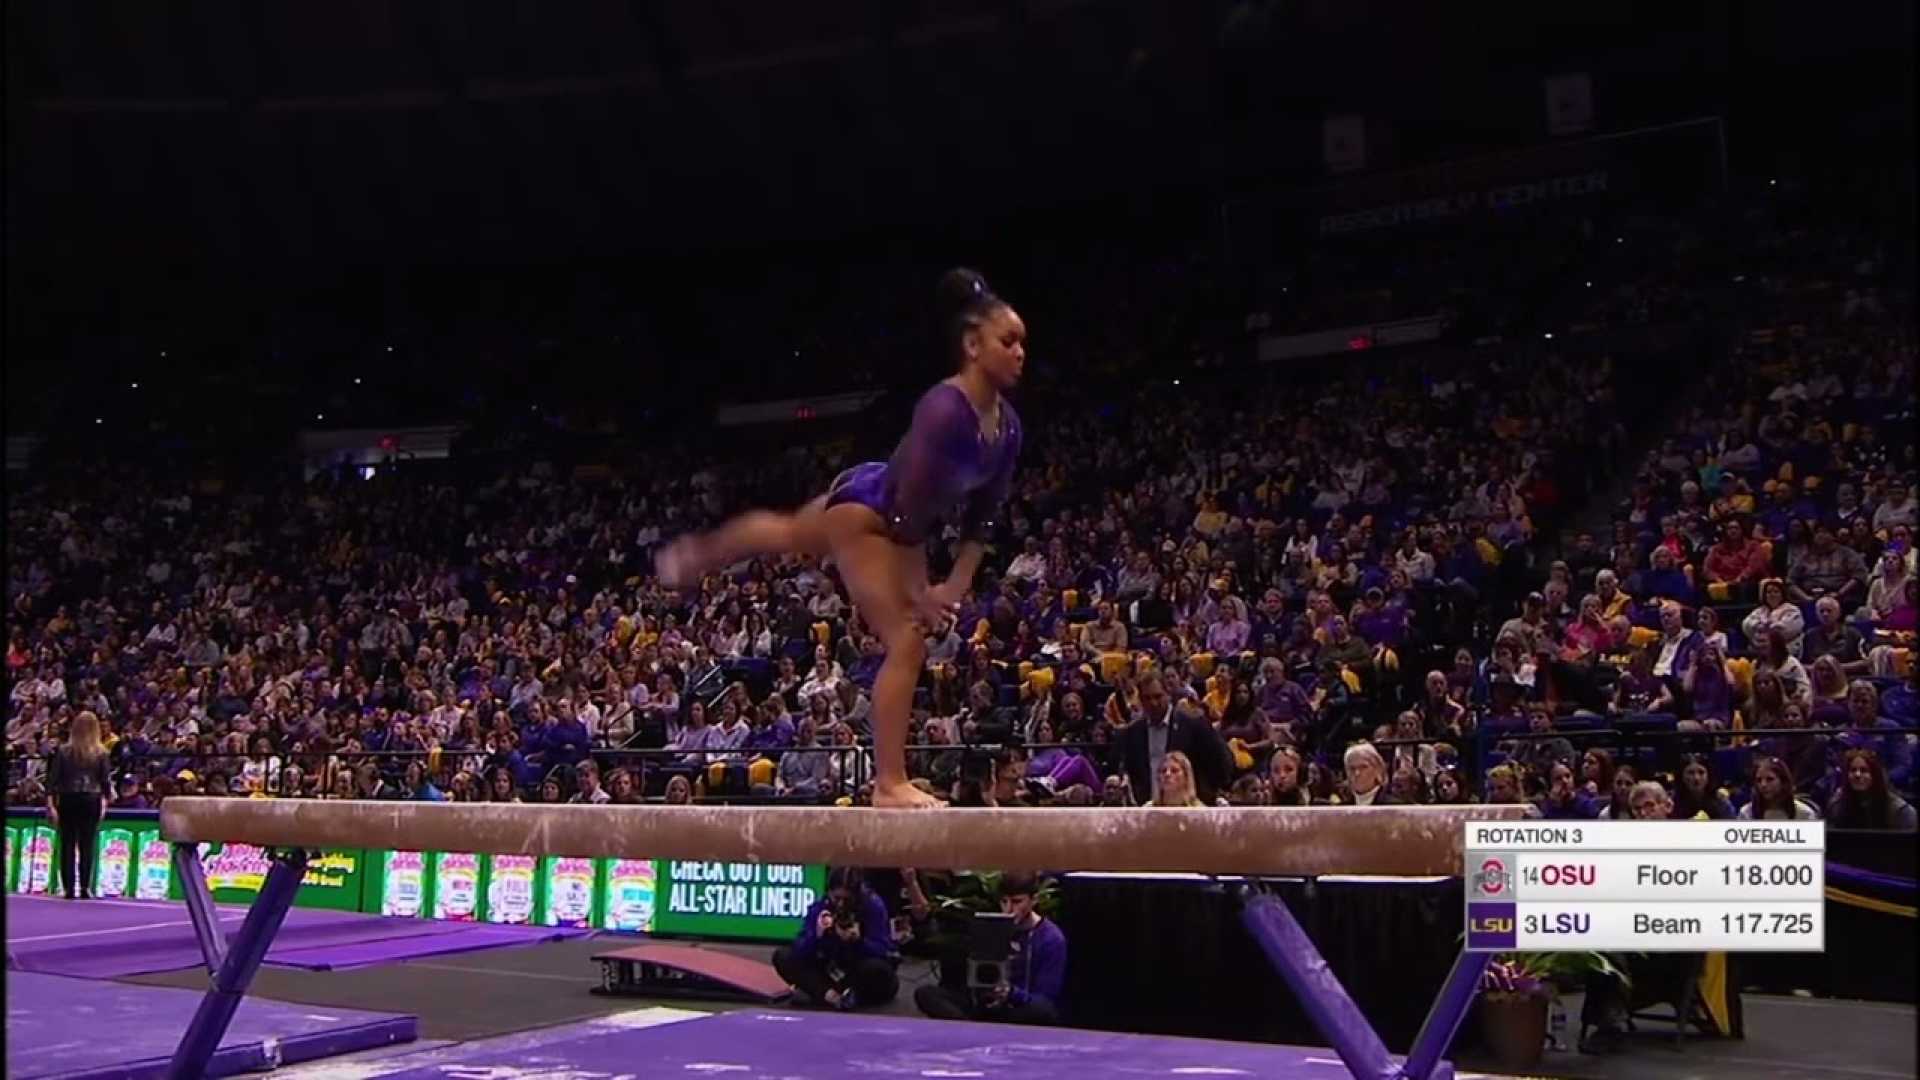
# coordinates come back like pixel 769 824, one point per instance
pixel 933 610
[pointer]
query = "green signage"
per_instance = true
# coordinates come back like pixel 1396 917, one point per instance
pixel 686 899
pixel 735 900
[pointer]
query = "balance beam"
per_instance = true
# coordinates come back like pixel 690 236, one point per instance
pixel 1408 841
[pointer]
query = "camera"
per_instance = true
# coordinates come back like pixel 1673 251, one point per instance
pixel 989 947
pixel 846 916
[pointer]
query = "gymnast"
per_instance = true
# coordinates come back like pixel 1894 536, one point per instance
pixel 875 518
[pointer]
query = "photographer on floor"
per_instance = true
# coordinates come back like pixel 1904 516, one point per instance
pixel 844 957
pixel 1030 978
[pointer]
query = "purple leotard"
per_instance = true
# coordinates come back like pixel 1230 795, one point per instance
pixel 943 460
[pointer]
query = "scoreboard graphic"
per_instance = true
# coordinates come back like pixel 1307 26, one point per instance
pixel 1646 886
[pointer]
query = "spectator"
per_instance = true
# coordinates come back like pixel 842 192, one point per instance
pixel 1737 562
pixel 1162 729
pixel 1562 798
pixel 1829 569
pixel 844 956
pixel 1366 777
pixel 1649 801
pixel 1030 992
pixel 1774 797
pixel 1696 796
pixel 1865 801
pixel 1174 782
pixel 1776 611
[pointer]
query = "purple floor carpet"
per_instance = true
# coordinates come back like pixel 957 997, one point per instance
pixel 55 1029
pixel 110 939
pixel 755 1045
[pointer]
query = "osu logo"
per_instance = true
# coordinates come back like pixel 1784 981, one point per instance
pixel 1491 879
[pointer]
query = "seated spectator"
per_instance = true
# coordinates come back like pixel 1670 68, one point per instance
pixel 1831 637
pixel 1034 977
pixel 1563 799
pixel 1639 689
pixel 1774 795
pixel 1771 655
pixel 1887 587
pixel 1648 800
pixel 1865 801
pixel 1867 728
pixel 1709 688
pixel 1663 580
pixel 1618 806
pixel 1504 789
pixel 1696 796
pixel 844 956
pixel 1174 782
pixel 1366 777
pixel 1707 622
pixel 1776 611
pixel 587 787
pixel 1829 569
pixel 1828 684
pixel 1677 643
pixel 1284 787
pixel 1736 563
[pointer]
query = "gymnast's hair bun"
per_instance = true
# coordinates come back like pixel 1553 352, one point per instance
pixel 960 290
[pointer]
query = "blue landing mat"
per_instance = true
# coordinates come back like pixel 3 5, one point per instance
pixel 756 1045
pixel 65 1028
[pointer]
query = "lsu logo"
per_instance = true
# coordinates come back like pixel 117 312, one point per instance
pixel 1491 926
pixel 1491 877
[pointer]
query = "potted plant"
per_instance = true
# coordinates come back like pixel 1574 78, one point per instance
pixel 1517 993
pixel 968 891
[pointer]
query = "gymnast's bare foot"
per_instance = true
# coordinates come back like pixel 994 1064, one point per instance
pixel 903 796
pixel 678 565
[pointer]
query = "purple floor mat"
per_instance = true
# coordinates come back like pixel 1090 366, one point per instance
pixel 110 939
pixel 755 1045
pixel 469 937
pixel 55 1026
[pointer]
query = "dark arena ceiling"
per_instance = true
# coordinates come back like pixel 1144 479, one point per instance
pixel 175 131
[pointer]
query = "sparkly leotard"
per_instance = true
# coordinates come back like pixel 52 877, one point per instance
pixel 944 460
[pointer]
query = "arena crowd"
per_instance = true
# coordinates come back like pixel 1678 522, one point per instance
pixel 1358 581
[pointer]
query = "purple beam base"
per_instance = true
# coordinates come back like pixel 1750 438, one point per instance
pixel 1449 1010
pixel 1346 1029
pixel 230 983
pixel 1339 1020
pixel 206 917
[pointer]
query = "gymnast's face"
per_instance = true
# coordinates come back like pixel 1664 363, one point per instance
pixel 999 346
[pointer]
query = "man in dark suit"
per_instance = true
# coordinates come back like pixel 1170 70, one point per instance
pixel 1159 729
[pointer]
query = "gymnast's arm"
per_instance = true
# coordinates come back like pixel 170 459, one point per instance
pixel 983 509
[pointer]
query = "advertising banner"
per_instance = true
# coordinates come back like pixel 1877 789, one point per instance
pixel 568 885
pixel 154 878
pixel 13 863
pixel 627 902
pixel 403 884
pixel 36 860
pixel 456 886
pixel 763 901
pixel 113 867
pixel 511 894
pixel 236 872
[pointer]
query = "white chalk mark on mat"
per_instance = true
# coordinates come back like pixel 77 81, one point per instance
pixel 112 930
pixel 635 1019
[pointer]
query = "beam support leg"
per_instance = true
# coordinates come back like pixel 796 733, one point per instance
pixel 230 983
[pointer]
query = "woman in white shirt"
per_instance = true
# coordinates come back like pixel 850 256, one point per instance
pixel 752 640
pixel 1774 612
